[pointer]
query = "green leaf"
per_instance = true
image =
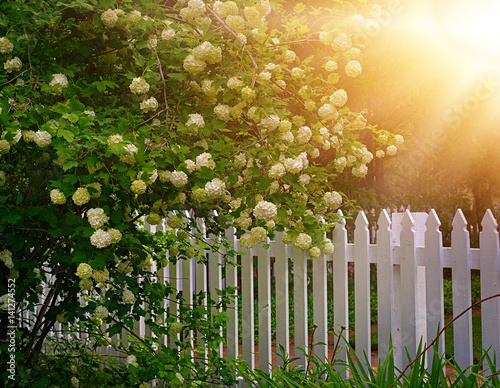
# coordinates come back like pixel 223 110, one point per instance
pixel 73 118
pixel 68 135
pixel 69 164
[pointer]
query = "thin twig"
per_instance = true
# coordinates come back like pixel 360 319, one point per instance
pixel 439 334
pixel 164 85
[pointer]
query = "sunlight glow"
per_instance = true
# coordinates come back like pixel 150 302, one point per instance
pixel 472 26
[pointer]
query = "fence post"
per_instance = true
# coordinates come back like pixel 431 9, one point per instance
pixel 340 285
pixel 362 322
pixel 434 282
pixel 300 305
pixel 201 281
pixel 320 307
pixel 461 283
pixel 247 308
pixel 264 303
pixel 385 287
pixel 489 246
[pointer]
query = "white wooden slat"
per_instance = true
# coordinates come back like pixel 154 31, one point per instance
pixel 461 283
pixel 215 280
pixel 408 273
pixel 300 306
pixel 232 310
pixel 174 279
pixel 434 283
pixel 187 295
pixel 320 307
pixel 247 308
pixel 385 285
pixel 490 320
pixel 264 304
pixel 201 284
pixel 362 326
pixel 282 296
pixel 340 287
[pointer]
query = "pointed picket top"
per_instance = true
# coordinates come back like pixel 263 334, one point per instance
pixel 432 223
pixel 384 221
pixel 459 223
pixel 407 223
pixel 341 219
pixel 489 223
pixel 361 221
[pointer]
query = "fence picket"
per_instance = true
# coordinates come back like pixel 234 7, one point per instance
pixel 488 241
pixel 300 302
pixel 247 307
pixel 434 282
pixel 232 308
pixel 340 285
pixel 282 296
pixel 320 307
pixel 408 273
pixel 385 286
pixel 264 303
pixel 362 324
pixel 461 284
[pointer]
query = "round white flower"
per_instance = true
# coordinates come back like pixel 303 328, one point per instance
pixel 153 219
pixel 81 196
pixel 303 241
pixel 339 98
pixel 97 218
pixel 5 45
pixel 332 199
pixel 57 197
pixel 361 171
pixel 328 248
pixel 179 178
pixel 328 112
pixel 115 235
pixel 265 211
pixel 380 154
pixel 101 312
pixel 138 187
pixel 314 252
pixel 205 160
pixel 139 86
pixel 392 150
pixel 151 104
pixel 42 138
pixel 59 81
pixel 13 64
pixel 75 382
pixel 342 42
pixel 132 360
pixel 167 34
pixel 193 65
pixel 100 239
pixel 304 135
pixel 331 66
pixel 86 284
pixel 109 18
pixel 128 297
pixel 353 69
pixel 276 171
pixel 84 271
pixel 4 146
pixel 100 276
pixel 196 120
pixel 215 188
pixel 399 140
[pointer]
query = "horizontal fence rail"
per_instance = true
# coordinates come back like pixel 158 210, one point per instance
pixel 409 258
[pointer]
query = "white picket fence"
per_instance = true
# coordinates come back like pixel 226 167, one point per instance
pixel 409 257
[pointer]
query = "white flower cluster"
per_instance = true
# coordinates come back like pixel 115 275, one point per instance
pixel 248 94
pixel 222 111
pixel 328 112
pixel 153 218
pixel 128 297
pixel 4 146
pixel 339 98
pixel 353 69
pixel 234 82
pixel 297 72
pixel 207 52
pixel 134 16
pixel 6 257
pixel 138 187
pixel 109 18
pixel 194 11
pixel 265 210
pixel 5 45
pixel 13 64
pixel 342 42
pixel 151 104
pixel 114 139
pixel 303 241
pixel 57 197
pixel 215 188
pixel 204 160
pixel 84 271
pixel 392 150
pixel 361 171
pixel 81 196
pixel 179 178
pixel 332 199
pixel 59 81
pixel 100 239
pixel 132 360
pixel 256 235
pixel 328 248
pixel 139 86
pixel 193 66
pixel 97 218
pixel 276 171
pixel 3 178
pixel 168 34
pixel 101 312
pixel 294 166
pixel 304 135
pixel 42 138
pixel 270 122
pixel 196 120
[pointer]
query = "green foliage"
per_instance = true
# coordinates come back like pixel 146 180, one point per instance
pixel 113 112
